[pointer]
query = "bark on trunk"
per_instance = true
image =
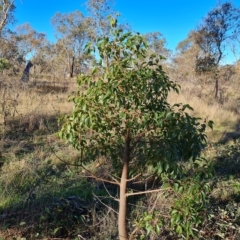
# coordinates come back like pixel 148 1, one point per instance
pixel 216 89
pixel 72 67
pixel 122 216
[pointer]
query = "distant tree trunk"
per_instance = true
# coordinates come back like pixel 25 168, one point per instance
pixel 72 67
pixel 122 215
pixel 216 81
pixel 216 88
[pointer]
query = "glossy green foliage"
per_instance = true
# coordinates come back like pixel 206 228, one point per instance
pixel 127 90
pixel 189 208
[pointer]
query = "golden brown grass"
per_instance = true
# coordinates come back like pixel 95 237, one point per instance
pixel 30 136
pixel 224 115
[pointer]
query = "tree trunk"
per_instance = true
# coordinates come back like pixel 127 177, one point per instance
pixel 216 88
pixel 122 215
pixel 72 67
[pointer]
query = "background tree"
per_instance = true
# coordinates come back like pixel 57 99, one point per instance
pixel 6 16
pixel 99 12
pixel 122 116
pixel 184 58
pixel 157 43
pixel 28 40
pixel 6 13
pixel 221 25
pixel 73 31
pixel 9 52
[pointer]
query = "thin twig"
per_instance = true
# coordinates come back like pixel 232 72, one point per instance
pixel 110 193
pixel 92 175
pixel 133 232
pixel 104 204
pixel 145 192
pixel 110 175
pixel 80 237
pixel 154 204
pixel 131 179
pixel 98 178
pixel 101 219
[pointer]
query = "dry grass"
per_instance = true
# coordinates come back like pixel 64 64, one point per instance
pixel 31 150
pixel 225 116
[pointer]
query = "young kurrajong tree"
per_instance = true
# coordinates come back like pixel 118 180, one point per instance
pixel 121 113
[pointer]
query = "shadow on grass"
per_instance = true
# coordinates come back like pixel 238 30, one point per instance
pixel 226 165
pixel 51 87
pixel 56 204
pixel 227 161
pixel 23 136
pixel 228 136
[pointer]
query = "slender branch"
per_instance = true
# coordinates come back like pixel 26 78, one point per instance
pixel 92 175
pixel 110 175
pixel 104 203
pixel 144 180
pixel 154 204
pixel 131 237
pixel 81 237
pixel 110 193
pixel 145 192
pixel 101 219
pixel 131 179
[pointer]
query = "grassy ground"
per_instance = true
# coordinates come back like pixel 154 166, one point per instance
pixel 44 195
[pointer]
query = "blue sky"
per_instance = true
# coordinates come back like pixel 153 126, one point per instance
pixel 173 18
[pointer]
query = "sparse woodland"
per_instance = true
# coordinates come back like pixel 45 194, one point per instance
pixel 114 136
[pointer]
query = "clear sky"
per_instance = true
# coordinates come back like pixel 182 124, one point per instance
pixel 173 18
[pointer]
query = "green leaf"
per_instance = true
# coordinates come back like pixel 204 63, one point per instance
pixel 56 230
pixel 149 228
pixel 210 124
pixel 179 229
pixel 176 186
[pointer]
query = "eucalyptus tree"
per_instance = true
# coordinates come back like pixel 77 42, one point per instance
pixel 121 114
pixel 28 40
pixel 220 26
pixel 184 59
pixel 6 13
pixel 73 30
pixel 157 43
pixel 9 54
pixel 6 16
pixel 99 12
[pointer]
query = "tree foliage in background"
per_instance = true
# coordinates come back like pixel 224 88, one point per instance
pixel 6 17
pixel 157 43
pixel 99 12
pixel 123 116
pixel 73 31
pixel 28 40
pixel 220 25
pixel 6 14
